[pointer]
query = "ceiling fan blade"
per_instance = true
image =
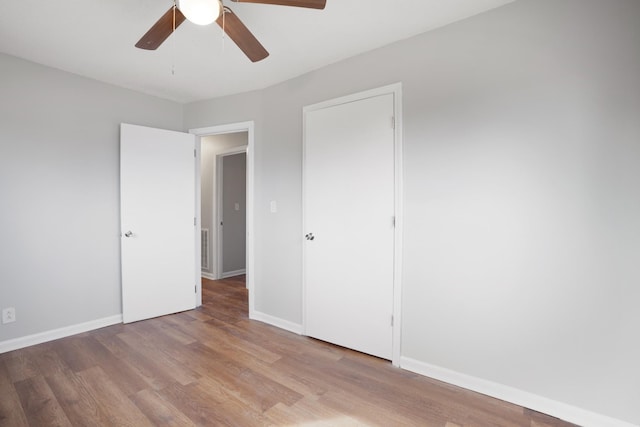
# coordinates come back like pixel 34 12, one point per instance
pixel 311 4
pixel 160 30
pixel 240 34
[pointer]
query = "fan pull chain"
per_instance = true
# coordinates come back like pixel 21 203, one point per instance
pixel 173 41
pixel 224 33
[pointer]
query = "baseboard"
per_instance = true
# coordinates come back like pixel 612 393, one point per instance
pixel 29 340
pixel 525 399
pixel 234 273
pixel 207 275
pixel 276 321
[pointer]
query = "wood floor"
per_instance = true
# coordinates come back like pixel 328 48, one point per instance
pixel 213 366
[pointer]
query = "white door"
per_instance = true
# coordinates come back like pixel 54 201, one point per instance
pixel 157 197
pixel 349 224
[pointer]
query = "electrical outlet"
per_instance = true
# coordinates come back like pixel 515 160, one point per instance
pixel 8 315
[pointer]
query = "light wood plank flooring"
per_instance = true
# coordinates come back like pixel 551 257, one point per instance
pixel 213 366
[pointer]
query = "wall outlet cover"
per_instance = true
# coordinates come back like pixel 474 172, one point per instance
pixel 8 315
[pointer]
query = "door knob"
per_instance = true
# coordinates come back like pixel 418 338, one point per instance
pixel 128 234
pixel 310 236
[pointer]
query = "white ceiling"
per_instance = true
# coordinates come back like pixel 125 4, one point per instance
pixel 95 38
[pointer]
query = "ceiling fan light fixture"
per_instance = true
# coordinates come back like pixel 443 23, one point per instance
pixel 200 12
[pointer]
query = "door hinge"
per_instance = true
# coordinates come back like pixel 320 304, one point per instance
pixel 194 153
pixel 195 289
pixel 194 221
pixel 393 122
pixel 393 221
pixel 391 320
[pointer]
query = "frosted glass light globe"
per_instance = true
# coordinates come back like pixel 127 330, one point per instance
pixel 201 12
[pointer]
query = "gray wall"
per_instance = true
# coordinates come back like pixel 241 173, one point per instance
pixel 210 147
pixel 234 230
pixel 59 193
pixel 521 183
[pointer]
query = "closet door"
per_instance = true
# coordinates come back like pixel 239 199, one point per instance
pixel 349 223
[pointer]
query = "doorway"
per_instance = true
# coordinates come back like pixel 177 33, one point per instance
pixel 214 150
pixel 213 143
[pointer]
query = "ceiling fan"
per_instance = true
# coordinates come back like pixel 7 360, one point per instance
pixel 204 12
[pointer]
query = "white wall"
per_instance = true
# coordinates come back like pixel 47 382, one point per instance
pixel 59 194
pixel 522 215
pixel 212 145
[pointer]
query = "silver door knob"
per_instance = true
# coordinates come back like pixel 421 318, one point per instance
pixel 310 236
pixel 128 234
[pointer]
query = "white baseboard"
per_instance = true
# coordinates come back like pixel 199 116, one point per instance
pixel 234 273
pixel 207 275
pixel 276 321
pixel 525 399
pixel 29 340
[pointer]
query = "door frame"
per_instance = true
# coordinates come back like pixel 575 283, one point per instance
pixel 218 209
pixel 396 90
pixel 248 127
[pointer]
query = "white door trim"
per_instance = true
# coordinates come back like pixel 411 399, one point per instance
pixel 396 90
pixel 248 127
pixel 217 211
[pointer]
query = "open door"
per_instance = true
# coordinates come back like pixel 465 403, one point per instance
pixel 157 197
